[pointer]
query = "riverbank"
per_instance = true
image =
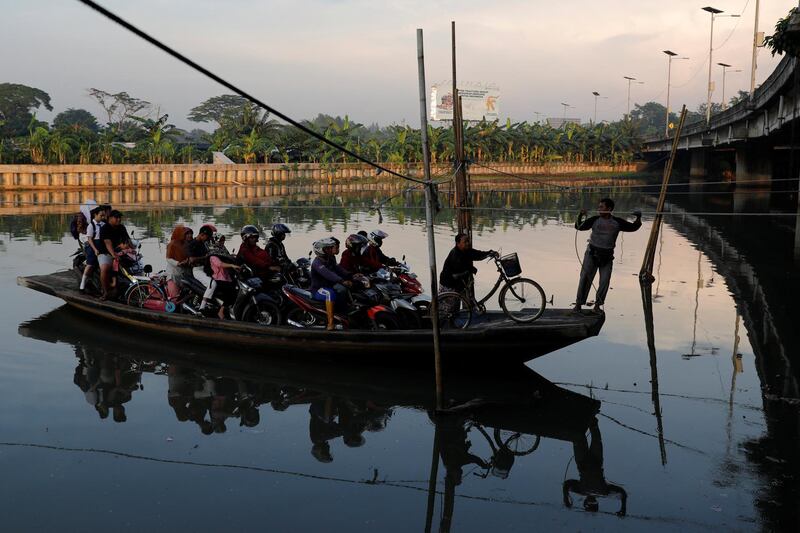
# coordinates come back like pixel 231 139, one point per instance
pixel 60 177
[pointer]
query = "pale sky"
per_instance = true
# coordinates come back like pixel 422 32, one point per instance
pixel 358 57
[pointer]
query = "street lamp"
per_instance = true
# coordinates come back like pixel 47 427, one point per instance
pixel 725 68
pixel 670 55
pixel 631 80
pixel 756 44
pixel 596 96
pixel 565 113
pixel 714 13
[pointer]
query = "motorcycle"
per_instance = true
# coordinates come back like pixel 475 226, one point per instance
pixel 132 274
pixel 364 312
pixel 393 294
pixel 252 304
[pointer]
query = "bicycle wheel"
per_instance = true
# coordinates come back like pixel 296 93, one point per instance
pixel 455 312
pixel 140 294
pixel 516 443
pixel 522 300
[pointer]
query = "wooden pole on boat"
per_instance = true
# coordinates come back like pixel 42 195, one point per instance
pixel 463 215
pixel 646 272
pixel 429 212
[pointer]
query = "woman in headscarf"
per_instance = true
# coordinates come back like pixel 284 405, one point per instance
pixel 177 258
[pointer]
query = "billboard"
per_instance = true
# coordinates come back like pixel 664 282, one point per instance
pixel 478 101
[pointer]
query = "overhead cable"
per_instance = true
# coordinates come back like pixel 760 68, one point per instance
pixel 185 60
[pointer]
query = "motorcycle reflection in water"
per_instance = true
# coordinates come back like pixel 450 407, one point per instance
pixel 510 409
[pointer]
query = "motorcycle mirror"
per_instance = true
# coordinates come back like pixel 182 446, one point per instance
pixel 148 269
pixel 404 258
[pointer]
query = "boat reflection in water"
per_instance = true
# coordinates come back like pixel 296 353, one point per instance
pixel 512 409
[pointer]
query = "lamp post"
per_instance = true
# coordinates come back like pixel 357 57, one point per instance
pixel 596 96
pixel 753 64
pixel 565 113
pixel 630 80
pixel 670 56
pixel 725 68
pixel 714 13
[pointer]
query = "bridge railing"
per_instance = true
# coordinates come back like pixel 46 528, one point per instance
pixel 763 94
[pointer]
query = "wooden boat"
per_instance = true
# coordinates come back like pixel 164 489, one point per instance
pixel 494 339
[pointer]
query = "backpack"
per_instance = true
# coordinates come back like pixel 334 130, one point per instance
pixel 78 225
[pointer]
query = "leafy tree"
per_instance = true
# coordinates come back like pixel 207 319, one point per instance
pixel 16 105
pixel 785 39
pixel 120 108
pixel 649 118
pixel 219 109
pixel 76 119
pixel 739 97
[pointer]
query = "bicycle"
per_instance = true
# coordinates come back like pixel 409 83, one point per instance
pixel 521 299
pixel 506 446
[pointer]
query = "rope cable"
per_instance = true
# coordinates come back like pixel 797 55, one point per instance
pixel 228 85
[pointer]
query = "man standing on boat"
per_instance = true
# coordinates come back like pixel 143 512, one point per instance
pixel 599 253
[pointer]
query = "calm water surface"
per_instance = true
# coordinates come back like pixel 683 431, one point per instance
pixel 102 425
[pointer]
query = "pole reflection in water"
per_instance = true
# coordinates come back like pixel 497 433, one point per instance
pixel 647 307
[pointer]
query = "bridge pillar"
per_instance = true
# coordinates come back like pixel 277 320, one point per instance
pixel 699 161
pixel 754 164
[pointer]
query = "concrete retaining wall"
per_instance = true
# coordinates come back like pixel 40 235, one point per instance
pixel 23 177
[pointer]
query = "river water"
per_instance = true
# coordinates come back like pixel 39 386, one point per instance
pixel 104 426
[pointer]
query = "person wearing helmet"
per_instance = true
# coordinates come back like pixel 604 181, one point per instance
pixel 253 256
pixel 458 265
pixel 356 258
pixel 198 258
pixel 376 254
pixel 275 247
pixel 329 281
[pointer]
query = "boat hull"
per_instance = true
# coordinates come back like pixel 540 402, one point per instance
pixel 494 340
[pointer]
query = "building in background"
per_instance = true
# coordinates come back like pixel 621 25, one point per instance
pixel 560 122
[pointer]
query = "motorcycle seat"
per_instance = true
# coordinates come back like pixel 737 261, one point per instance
pixel 300 292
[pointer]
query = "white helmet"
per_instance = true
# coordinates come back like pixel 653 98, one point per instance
pixel 320 245
pixel 376 237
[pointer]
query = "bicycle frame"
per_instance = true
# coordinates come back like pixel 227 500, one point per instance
pixel 502 279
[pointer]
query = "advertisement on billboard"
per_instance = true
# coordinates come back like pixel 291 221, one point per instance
pixel 479 101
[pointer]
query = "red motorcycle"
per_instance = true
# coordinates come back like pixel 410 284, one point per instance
pixel 364 312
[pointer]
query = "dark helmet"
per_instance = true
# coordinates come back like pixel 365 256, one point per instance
pixel 248 231
pixel 208 229
pixel 279 231
pixel 355 243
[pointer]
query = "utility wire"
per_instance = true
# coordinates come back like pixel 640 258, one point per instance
pixel 202 70
pixel 735 26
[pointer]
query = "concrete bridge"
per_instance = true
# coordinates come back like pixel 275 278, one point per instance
pixel 750 141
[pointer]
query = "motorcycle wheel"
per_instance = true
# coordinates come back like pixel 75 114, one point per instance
pixel 385 321
pixel 304 318
pixel 263 314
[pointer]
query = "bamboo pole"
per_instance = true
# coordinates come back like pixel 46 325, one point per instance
pixel 429 212
pixel 464 216
pixel 646 272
